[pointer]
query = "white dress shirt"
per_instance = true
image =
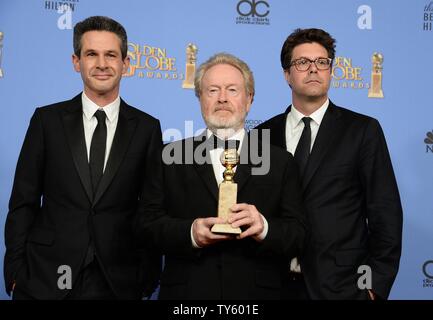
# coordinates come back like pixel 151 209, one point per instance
pixel 294 128
pixel 90 122
pixel 215 154
pixel 219 169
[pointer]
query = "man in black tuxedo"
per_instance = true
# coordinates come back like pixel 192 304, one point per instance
pixel 87 171
pixel 200 264
pixel 349 189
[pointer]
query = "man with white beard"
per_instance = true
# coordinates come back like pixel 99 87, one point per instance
pixel 199 263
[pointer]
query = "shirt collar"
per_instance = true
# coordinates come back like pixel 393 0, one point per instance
pixel 111 109
pixel 238 135
pixel 295 117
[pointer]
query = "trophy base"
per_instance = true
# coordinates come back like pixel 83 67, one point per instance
pixel 375 94
pixel 375 90
pixel 187 85
pixel 225 228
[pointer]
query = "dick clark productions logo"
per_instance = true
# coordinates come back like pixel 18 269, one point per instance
pixel 253 12
pixel 429 141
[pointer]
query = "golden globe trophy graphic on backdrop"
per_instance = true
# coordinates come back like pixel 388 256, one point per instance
pixel 1 49
pixel 375 90
pixel 228 191
pixel 191 58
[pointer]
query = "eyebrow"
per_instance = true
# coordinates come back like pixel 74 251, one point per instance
pixel 310 58
pixel 96 51
pixel 224 86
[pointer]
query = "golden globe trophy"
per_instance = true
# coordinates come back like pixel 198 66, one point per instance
pixel 375 90
pixel 228 190
pixel 1 48
pixel 191 58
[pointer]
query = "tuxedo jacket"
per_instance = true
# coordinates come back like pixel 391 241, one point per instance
pixel 233 269
pixel 53 212
pixel 352 204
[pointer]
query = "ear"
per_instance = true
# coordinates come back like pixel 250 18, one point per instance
pixel 249 102
pixel 287 77
pixel 126 62
pixel 76 62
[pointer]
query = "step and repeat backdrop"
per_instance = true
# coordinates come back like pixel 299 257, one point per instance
pixel 382 68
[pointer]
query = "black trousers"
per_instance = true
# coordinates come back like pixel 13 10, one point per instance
pixel 19 294
pixel 295 288
pixel 91 284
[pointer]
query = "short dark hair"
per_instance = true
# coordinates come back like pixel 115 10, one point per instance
pixel 301 36
pixel 99 23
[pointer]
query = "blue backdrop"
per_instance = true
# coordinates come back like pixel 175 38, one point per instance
pixel 36 70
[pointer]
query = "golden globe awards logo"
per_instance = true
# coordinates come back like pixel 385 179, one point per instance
pixel 152 63
pixel 345 74
pixel 253 12
pixel 348 75
pixel 375 90
pixel 191 58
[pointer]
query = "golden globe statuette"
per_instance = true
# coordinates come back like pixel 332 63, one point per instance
pixel 191 58
pixel 1 48
pixel 375 90
pixel 228 191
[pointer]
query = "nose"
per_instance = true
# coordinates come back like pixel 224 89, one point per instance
pixel 222 97
pixel 102 62
pixel 313 68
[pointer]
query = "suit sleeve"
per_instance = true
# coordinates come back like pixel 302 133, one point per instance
pixel 149 208
pixel 384 211
pixel 25 199
pixel 160 230
pixel 170 235
pixel 288 232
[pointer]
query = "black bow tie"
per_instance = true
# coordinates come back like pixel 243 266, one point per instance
pixel 224 144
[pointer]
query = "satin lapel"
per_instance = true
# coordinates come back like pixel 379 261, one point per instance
pixel 278 134
pixel 205 171
pixel 125 129
pixel 329 129
pixel 243 170
pixel 72 118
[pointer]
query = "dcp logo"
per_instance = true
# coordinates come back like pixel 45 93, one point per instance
pixel 429 142
pixel 253 8
pixel 427 273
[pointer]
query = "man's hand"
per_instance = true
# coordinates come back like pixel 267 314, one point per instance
pixel 246 215
pixel 203 236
